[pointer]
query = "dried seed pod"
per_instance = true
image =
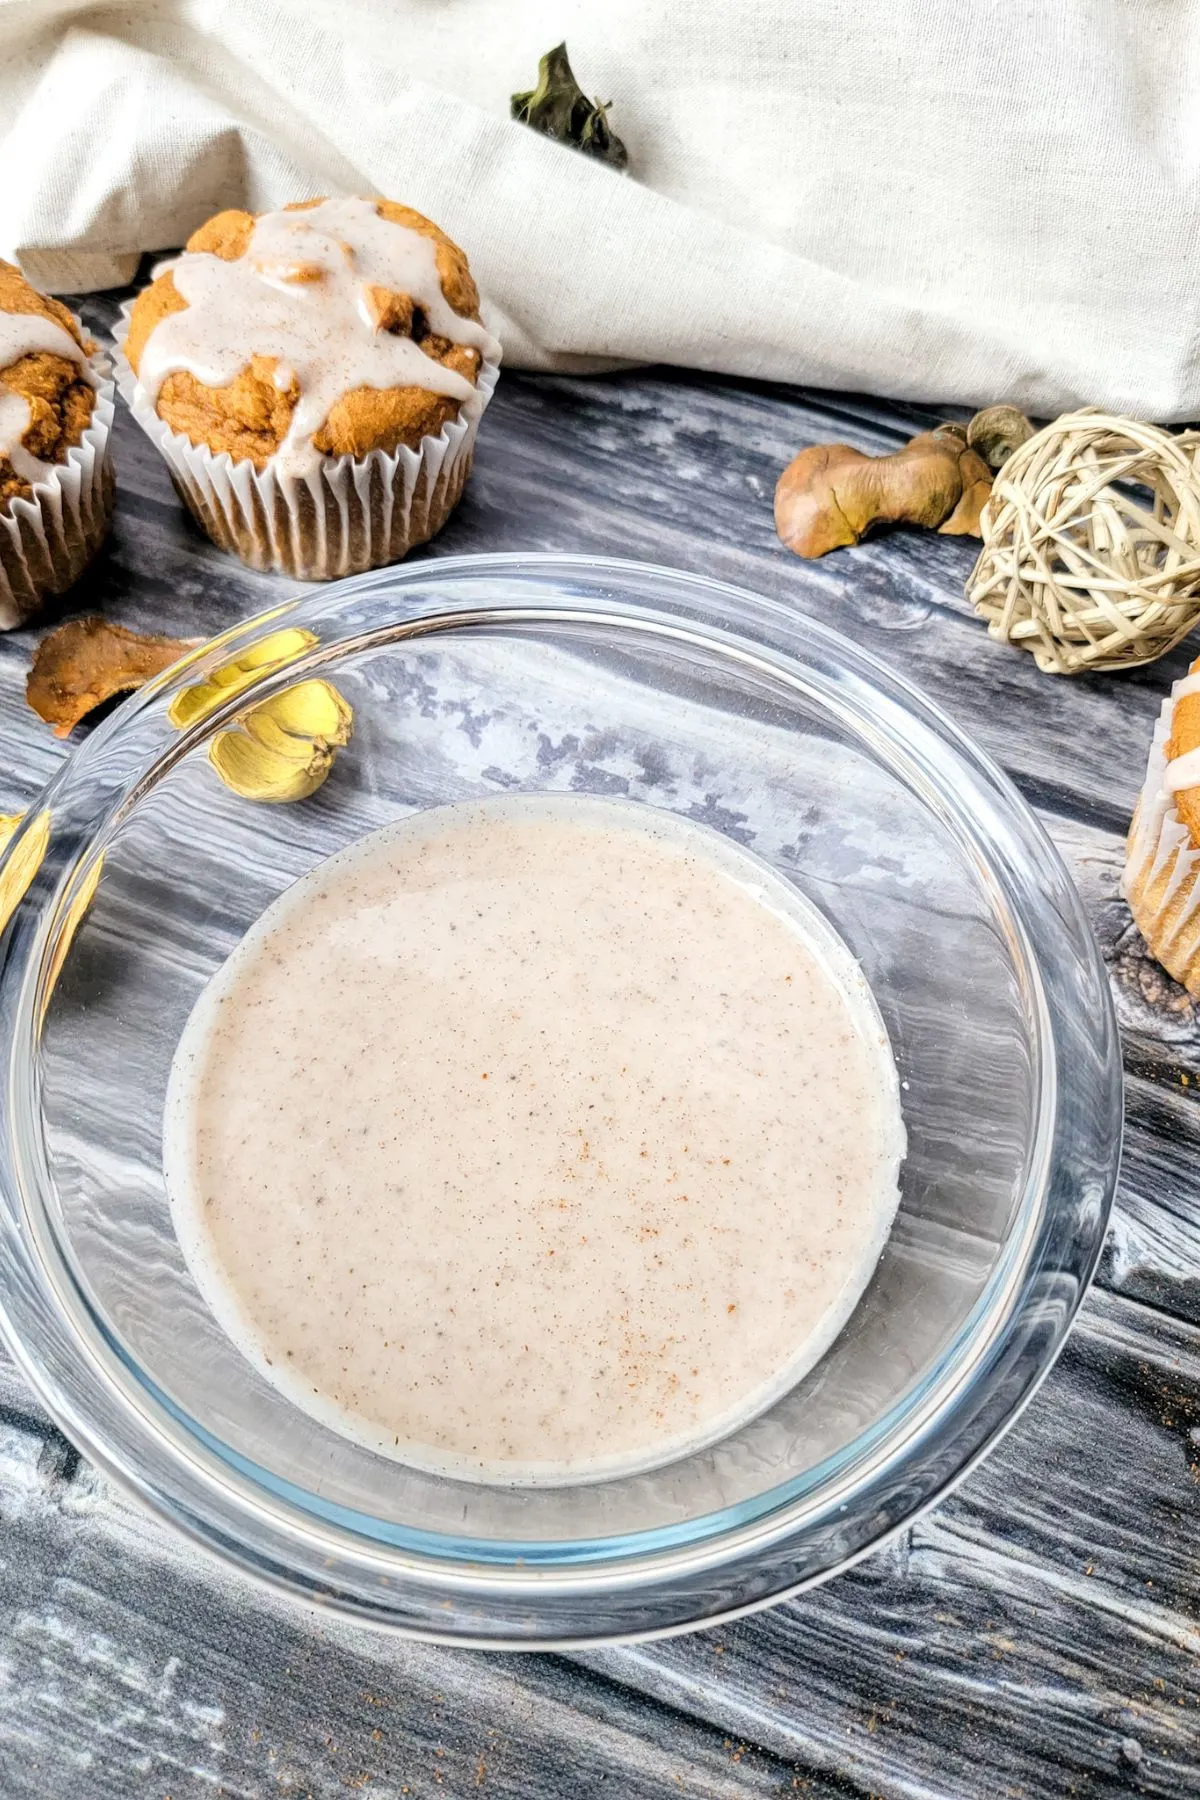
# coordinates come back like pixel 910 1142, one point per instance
pixel 996 432
pixel 966 519
pixel 832 495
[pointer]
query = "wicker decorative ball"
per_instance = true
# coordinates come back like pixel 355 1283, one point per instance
pixel 1091 544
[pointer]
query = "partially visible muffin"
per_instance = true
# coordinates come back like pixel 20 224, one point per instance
pixel 1162 870
pixel 52 403
pixel 332 329
pixel 58 390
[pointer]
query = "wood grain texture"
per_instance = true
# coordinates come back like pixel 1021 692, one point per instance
pixel 1035 1635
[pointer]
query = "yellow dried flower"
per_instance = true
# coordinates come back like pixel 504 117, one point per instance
pixel 274 652
pixel 74 919
pixel 24 863
pixel 18 874
pixel 283 748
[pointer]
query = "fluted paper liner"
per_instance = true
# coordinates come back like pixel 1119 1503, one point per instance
pixel 347 516
pixel 47 540
pixel 1162 868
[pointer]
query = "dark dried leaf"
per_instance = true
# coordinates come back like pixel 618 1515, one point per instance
pixel 559 109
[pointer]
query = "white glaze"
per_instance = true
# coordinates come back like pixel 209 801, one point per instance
pixel 26 334
pixel 299 293
pixel 14 423
pixel 535 1138
pixel 1183 772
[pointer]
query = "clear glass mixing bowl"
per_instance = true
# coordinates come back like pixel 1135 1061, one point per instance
pixel 504 673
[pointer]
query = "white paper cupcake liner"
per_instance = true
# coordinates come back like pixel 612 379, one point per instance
pixel 349 515
pixel 1162 868
pixel 48 540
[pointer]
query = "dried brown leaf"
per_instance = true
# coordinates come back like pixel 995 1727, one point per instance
pixel 977 491
pixel 85 662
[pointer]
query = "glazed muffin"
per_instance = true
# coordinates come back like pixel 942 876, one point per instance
pixel 315 378
pixel 1162 869
pixel 56 482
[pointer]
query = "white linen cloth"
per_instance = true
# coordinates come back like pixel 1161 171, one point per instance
pixel 915 197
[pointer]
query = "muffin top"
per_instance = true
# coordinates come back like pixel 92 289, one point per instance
pixel 1183 751
pixel 47 389
pixel 332 328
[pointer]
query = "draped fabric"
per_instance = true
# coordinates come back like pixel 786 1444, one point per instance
pixel 951 203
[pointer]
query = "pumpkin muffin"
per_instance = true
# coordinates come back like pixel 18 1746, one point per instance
pixel 1162 867
pixel 315 379
pixel 56 484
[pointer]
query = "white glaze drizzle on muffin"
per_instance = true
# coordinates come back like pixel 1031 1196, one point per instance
pixel 300 293
pixel 1183 772
pixel 29 334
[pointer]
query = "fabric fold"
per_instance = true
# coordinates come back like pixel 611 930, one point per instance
pixel 921 202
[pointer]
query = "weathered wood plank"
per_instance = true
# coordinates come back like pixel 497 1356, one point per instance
pixel 1045 1616
pixel 1042 1622
pixel 130 1668
pixel 641 462
pixel 681 470
pixel 1035 1635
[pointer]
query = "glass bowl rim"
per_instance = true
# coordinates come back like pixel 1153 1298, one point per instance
pixel 653 1556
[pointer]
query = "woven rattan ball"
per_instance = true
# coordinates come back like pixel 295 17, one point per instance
pixel 1091 544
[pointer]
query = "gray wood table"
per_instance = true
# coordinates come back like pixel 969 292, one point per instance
pixel 1035 1635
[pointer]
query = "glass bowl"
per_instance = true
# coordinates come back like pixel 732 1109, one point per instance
pixel 492 674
